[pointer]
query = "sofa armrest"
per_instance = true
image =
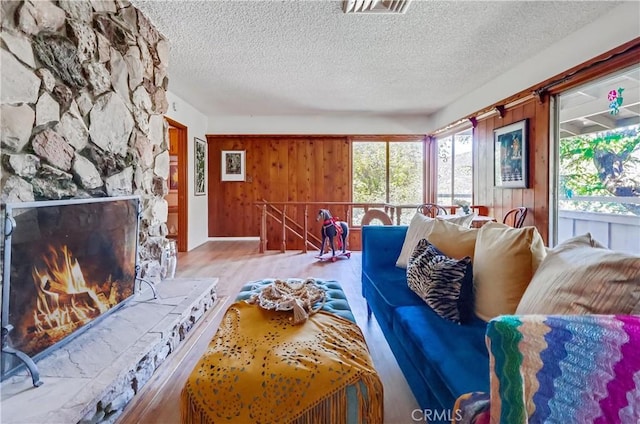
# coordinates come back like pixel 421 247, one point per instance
pixel 381 245
pixel 564 368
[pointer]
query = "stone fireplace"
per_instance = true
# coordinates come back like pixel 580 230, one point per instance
pixel 81 109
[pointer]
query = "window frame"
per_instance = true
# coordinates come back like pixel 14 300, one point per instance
pixel 387 140
pixel 453 134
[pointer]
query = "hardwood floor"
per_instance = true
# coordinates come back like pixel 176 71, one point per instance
pixel 235 263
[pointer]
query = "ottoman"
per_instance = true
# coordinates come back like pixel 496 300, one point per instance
pixel 260 367
pixel 336 302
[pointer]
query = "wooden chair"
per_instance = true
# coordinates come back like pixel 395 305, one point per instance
pixel 431 210
pixel 515 217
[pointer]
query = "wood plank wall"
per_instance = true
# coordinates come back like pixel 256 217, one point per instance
pixel 285 168
pixel 318 168
pixel 536 197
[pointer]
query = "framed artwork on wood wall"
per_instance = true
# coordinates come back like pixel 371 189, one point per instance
pixel 511 153
pixel 200 167
pixel 233 165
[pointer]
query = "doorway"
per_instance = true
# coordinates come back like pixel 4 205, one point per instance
pixel 177 221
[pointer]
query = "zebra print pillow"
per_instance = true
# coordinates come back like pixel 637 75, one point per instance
pixel 445 284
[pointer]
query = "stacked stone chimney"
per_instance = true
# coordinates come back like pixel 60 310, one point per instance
pixel 82 97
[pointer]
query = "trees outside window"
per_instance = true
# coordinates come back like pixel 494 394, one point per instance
pixel 601 165
pixel 455 168
pixel 387 172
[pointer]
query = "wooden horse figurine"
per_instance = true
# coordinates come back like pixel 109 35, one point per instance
pixel 331 228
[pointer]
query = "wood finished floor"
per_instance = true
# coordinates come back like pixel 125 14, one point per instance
pixel 235 263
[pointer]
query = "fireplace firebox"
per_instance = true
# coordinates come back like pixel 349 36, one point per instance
pixel 67 264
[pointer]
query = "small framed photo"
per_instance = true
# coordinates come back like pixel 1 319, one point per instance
pixel 200 170
pixel 233 165
pixel 511 156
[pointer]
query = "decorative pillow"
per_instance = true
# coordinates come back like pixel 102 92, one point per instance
pixel 420 227
pixel 504 263
pixel 453 240
pixel 445 284
pixel 580 276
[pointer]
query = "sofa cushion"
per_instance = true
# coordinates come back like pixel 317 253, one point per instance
pixel 455 241
pixel 420 227
pixel 457 352
pixel 505 260
pixel 389 290
pixel 445 284
pixel 580 276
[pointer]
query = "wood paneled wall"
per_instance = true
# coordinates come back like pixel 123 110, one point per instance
pixel 536 197
pixel 284 168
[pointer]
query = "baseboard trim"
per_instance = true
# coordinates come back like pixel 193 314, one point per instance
pixel 234 239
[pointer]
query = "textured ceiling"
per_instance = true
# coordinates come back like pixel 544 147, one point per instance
pixel 309 58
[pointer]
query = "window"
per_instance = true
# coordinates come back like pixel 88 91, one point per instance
pixel 455 168
pixel 597 156
pixel 387 172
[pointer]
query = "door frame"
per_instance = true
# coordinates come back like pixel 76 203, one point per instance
pixel 183 209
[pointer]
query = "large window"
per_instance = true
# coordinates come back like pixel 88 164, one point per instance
pixel 387 172
pixel 455 168
pixel 597 157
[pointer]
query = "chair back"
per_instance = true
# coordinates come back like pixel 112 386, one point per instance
pixel 515 217
pixel 431 210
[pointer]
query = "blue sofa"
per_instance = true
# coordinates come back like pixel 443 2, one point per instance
pixel 441 360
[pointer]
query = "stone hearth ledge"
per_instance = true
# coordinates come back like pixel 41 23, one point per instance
pixel 93 377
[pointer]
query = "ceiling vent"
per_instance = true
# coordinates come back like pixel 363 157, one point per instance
pixel 375 6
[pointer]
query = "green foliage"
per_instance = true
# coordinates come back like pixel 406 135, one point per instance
pixel 584 168
pixel 369 175
pixel 405 172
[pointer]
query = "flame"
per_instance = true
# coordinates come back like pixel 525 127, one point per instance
pixel 64 299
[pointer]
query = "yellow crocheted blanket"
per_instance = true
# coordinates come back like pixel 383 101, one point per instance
pixel 260 367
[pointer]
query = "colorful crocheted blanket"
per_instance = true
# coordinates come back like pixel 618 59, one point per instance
pixel 260 367
pixel 565 368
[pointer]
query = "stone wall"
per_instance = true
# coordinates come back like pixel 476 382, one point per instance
pixel 83 93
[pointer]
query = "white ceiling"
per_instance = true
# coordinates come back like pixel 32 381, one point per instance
pixel 265 58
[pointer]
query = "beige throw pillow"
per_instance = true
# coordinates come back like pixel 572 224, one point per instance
pixel 453 240
pixel 420 227
pixel 505 260
pixel 580 276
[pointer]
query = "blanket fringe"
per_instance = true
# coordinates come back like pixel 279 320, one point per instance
pixel 190 412
pixel 333 409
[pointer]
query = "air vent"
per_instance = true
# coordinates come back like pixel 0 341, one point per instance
pixel 375 6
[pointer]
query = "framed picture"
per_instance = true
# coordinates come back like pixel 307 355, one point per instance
pixel 233 165
pixel 511 156
pixel 173 175
pixel 200 167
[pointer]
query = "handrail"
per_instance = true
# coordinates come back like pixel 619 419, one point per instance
pixel 302 228
pixel 604 199
pixel 480 209
pixel 279 214
pixel 297 234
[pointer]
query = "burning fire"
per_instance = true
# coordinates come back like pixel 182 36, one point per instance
pixel 64 299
